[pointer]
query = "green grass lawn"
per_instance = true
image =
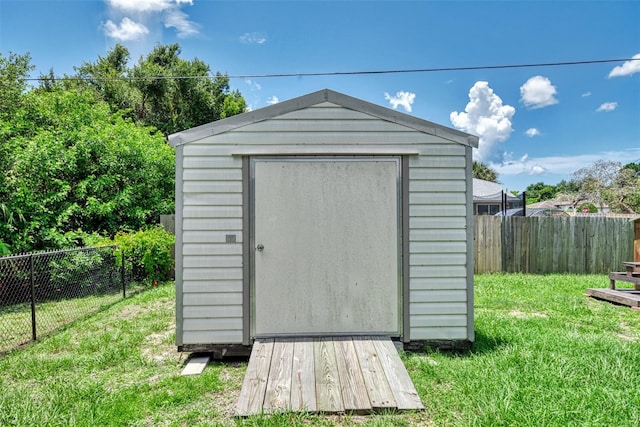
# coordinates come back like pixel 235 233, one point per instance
pixel 545 355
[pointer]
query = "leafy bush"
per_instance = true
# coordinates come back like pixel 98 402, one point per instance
pixel 4 249
pixel 149 250
pixel 79 273
pixel 588 206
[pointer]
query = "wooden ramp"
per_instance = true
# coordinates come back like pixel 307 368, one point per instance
pixel 326 375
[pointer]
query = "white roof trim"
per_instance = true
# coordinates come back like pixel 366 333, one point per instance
pixel 325 95
pixel 297 151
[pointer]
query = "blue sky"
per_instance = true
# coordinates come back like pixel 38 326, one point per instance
pixel 536 124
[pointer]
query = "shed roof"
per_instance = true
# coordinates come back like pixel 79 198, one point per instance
pixel 325 95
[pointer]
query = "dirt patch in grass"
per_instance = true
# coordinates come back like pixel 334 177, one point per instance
pixel 156 348
pixel 231 374
pixel 522 315
pixel 626 333
pixel 130 311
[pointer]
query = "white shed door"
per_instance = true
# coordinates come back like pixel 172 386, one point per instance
pixel 326 247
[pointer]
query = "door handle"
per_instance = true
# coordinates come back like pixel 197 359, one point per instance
pixel 260 247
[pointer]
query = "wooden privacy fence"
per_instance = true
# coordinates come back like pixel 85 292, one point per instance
pixel 552 244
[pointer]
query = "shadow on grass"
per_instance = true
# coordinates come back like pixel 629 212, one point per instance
pixel 483 344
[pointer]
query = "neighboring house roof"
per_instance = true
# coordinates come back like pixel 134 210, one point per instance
pixel 549 204
pixel 533 212
pixel 565 204
pixel 490 191
pixel 325 95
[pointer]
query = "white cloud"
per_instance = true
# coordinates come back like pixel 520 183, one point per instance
pixel 253 38
pixel 527 167
pixel 486 117
pixel 559 165
pixel 607 106
pixel 531 132
pixel 180 21
pixel 628 68
pixel 273 100
pixel 404 99
pixel 519 173
pixel 538 92
pixel 586 94
pixel 127 30
pixel 253 85
pixel 153 13
pixel 141 5
pixel 537 170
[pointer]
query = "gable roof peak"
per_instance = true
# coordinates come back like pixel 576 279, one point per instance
pixel 318 97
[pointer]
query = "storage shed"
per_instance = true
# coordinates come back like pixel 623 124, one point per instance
pixel 323 215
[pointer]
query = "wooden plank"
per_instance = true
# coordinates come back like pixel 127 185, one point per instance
pixel 354 391
pixel 559 237
pixel 255 380
pixel 630 298
pixel 526 248
pixel 196 365
pixel 516 225
pixel 507 244
pixel 635 237
pixel 624 277
pixel 303 381
pixel 594 245
pixel 496 232
pixel 571 255
pixel 278 391
pixel 404 392
pixel 378 388
pixel 328 394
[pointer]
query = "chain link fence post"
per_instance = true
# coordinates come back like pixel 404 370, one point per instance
pixel 33 299
pixel 123 275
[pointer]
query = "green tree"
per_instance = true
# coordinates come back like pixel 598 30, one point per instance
pixel 162 89
pixel 607 182
pixel 14 70
pixel 108 77
pixel 76 168
pixel 483 171
pixel 630 174
pixel 540 192
pixel 624 194
pixel 567 187
pixel 633 166
pixel 595 179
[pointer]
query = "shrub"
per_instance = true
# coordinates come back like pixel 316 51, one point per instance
pixel 149 250
pixel 4 249
pixel 590 206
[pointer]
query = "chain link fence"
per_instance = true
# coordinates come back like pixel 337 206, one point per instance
pixel 41 292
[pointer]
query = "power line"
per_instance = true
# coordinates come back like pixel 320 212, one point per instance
pixel 431 70
pixel 349 73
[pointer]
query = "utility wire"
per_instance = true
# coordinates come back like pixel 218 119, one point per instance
pixel 348 73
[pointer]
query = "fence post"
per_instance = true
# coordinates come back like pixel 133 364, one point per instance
pixel 122 275
pixel 33 299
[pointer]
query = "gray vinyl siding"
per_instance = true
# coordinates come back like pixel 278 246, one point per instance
pixel 212 268
pixel 438 244
pixel 211 204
